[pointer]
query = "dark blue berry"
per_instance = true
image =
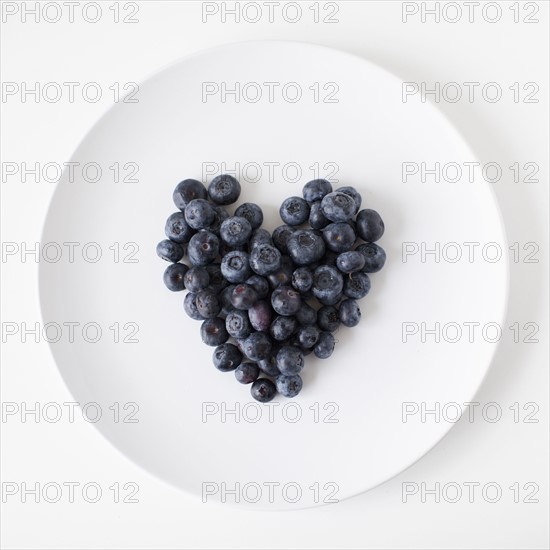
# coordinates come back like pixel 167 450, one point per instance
pixel 177 229
pixel 225 301
pixel 315 190
pixel 281 277
pixel 263 390
pixel 235 266
pixel 227 357
pixel 207 304
pixel 203 248
pixel 257 346
pixel 350 314
pixel 285 300
pixel 260 315
pixel 190 307
pixel 235 231
pixel 247 372
pixel 213 332
pixel 305 247
pixel 338 207
pixel 375 257
pixel 370 226
pixel 252 212
pixel 170 251
pixel 197 278
pixel 281 235
pixel 324 346
pixel 356 285
pixel 302 279
pixel 259 236
pixel 290 360
pixel 294 211
pixel 220 215
pixel 283 327
pixel 199 214
pixel 351 261
pixel 265 259
pixel 354 194
pixel 289 386
pixel 243 297
pixel 269 365
pixel 188 190
pixel 174 277
pixel 328 318
pixel 317 219
pixel 260 285
pixel 238 324
pixel 306 315
pixel 339 237
pixel 328 283
pixel 217 281
pixel 224 189
pixel 307 336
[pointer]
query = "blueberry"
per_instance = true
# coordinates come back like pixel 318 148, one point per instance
pixel 294 211
pixel 207 304
pixel 260 315
pixel 237 324
pixel 220 215
pixel 251 212
pixel 349 262
pixel 213 332
pixel 289 386
pixel 203 248
pixel 281 277
pixel 328 318
pixel 290 360
pixel 236 266
pixel 324 346
pixel 306 247
pixel 199 214
pixel 357 285
pixel 308 336
pixel 217 281
pixel 259 236
pixel 263 390
pixel 170 251
pixel 224 189
pixel 197 278
pixel 247 372
pixel 177 229
pixel 225 301
pixel 354 194
pixel 350 314
pixel 265 259
pixel 370 226
pixel 243 297
pixel 339 237
pixel 269 365
pixel 227 357
pixel 285 300
pixel 260 285
pixel 235 231
pixel 375 257
pixel 188 190
pixel 174 277
pixel 306 315
pixel 317 219
pixel 302 279
pixel 190 307
pixel 281 235
pixel 283 327
pixel 330 258
pixel 257 346
pixel 327 284
pixel 315 190
pixel 338 207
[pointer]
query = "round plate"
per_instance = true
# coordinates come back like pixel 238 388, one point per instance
pixel 279 114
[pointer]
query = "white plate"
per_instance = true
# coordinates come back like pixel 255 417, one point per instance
pixel 173 132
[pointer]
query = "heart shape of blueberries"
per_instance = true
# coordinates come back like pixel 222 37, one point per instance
pixel 277 296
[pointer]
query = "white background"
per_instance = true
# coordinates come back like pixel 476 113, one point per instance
pixel 505 132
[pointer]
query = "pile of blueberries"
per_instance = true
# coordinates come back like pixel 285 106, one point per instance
pixel 279 296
